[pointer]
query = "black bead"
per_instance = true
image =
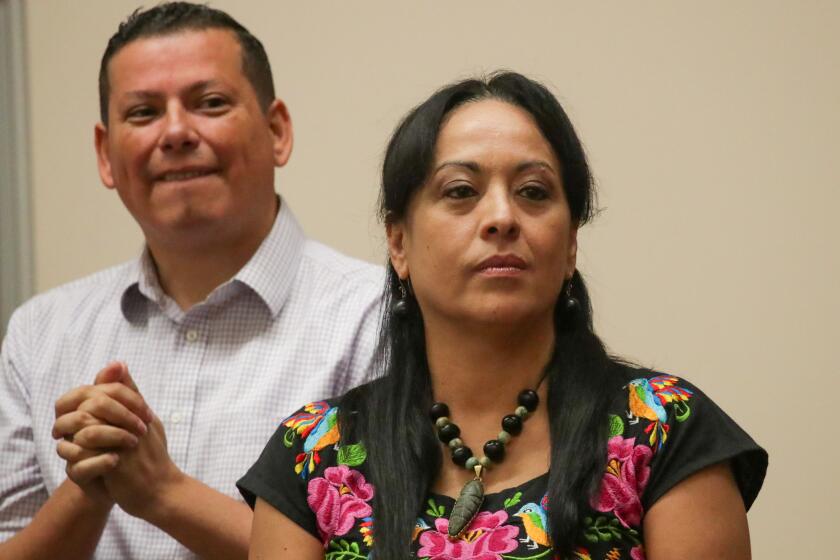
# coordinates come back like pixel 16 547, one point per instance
pixel 399 308
pixel 460 455
pixel 529 399
pixel 495 450
pixel 571 305
pixel 512 424
pixel 438 409
pixel 449 432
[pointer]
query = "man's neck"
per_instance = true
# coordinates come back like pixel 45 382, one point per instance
pixel 188 274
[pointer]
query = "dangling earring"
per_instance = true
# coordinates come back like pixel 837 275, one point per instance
pixel 399 305
pixel 571 305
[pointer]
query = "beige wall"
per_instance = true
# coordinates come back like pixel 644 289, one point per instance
pixel 711 128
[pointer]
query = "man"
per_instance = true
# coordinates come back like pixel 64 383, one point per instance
pixel 228 320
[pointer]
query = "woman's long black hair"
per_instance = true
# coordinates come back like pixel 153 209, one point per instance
pixel 390 415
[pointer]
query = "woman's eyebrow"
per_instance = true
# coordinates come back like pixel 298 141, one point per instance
pixel 526 165
pixel 471 165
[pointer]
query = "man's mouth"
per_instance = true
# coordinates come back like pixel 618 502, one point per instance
pixel 184 175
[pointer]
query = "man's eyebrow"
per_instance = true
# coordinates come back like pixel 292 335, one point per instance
pixel 151 94
pixel 471 165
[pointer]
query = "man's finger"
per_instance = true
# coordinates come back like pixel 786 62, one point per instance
pixel 92 414
pixel 116 372
pixel 73 453
pixel 86 470
pixel 128 398
pixel 104 436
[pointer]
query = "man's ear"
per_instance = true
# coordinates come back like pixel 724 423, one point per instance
pixel 395 232
pixel 280 124
pixel 103 158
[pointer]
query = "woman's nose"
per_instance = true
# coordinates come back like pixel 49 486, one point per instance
pixel 500 216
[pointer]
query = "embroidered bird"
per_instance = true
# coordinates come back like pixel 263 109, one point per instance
pixel 535 522
pixel 419 527
pixel 647 398
pixel 317 425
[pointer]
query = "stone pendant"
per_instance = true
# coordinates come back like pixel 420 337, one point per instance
pixel 466 507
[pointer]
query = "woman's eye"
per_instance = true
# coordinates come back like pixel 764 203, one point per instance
pixel 459 191
pixel 534 192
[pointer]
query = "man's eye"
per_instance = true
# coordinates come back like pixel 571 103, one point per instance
pixel 214 102
pixel 459 191
pixel 140 114
pixel 534 192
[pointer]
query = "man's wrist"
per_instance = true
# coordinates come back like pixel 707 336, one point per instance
pixel 160 509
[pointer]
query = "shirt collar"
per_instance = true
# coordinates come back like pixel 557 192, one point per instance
pixel 269 273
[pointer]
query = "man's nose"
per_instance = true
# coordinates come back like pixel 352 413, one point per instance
pixel 178 133
pixel 500 218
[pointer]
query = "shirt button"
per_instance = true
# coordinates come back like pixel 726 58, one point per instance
pixel 175 418
pixel 191 335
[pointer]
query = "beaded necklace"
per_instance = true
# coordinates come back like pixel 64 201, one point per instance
pixel 472 494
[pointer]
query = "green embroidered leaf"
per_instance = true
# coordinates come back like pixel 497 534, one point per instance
pixel 616 425
pixel 513 500
pixel 289 437
pixel 682 411
pixel 434 509
pixel 343 550
pixel 352 455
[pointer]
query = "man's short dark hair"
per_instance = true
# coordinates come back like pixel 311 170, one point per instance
pixel 174 17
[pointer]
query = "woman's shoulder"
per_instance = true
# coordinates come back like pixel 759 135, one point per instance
pixel 668 423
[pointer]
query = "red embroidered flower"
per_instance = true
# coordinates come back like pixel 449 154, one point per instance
pixel 485 539
pixel 338 499
pixel 637 553
pixel 628 470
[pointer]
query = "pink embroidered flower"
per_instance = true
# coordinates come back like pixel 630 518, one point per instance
pixel 338 499
pixel 485 539
pixel 637 553
pixel 628 470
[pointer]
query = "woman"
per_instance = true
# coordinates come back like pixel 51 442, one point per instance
pixel 484 187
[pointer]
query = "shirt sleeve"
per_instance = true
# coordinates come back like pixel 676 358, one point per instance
pixel 277 479
pixel 22 489
pixel 698 434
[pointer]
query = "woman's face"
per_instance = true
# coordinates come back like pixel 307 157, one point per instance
pixel 488 237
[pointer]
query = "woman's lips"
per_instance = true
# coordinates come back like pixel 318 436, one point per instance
pixel 502 265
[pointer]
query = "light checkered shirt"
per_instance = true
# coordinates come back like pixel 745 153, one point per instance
pixel 297 323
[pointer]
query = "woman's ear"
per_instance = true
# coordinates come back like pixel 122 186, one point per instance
pixel 395 232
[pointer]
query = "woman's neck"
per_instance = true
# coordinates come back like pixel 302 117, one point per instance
pixel 485 367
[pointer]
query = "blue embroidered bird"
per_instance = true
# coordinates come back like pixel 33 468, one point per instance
pixel 647 399
pixel 317 425
pixel 535 522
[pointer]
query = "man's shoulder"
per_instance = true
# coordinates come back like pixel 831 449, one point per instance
pixel 101 286
pixel 333 267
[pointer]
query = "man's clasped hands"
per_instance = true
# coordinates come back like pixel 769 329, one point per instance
pixel 114 444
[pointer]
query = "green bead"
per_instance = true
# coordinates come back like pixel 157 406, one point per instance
pixel 443 421
pixel 504 437
pixel 521 411
pixel 455 443
pixel 485 462
pixel 471 463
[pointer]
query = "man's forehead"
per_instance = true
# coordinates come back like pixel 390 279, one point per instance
pixel 181 53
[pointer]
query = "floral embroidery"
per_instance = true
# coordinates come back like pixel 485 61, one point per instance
pixel 338 499
pixel 628 469
pixel 485 539
pixel 514 524
pixel 317 425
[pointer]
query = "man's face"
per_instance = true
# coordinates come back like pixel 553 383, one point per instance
pixel 187 146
